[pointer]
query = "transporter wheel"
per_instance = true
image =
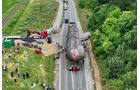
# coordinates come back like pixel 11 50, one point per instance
pixel 49 40
pixel 66 56
pixel 70 68
pixel 83 61
pixel 77 68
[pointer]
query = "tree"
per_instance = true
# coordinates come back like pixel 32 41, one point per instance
pixel 123 4
pixel 130 58
pixel 116 12
pixel 126 22
pixel 116 67
pixel 82 3
pixel 129 81
pixel 98 16
pixel 103 1
pixel 131 38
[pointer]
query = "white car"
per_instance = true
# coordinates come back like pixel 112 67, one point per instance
pixel 65 7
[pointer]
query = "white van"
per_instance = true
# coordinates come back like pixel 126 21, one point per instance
pixel 65 7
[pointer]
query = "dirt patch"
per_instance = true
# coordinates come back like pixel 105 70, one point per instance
pixel 43 72
pixel 95 68
pixel 10 65
pixel 48 49
pixel 23 56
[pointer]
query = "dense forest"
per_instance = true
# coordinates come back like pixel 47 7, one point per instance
pixel 113 24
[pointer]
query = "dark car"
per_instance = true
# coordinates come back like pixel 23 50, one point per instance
pixel 66 20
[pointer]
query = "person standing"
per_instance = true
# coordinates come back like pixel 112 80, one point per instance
pixel 27 75
pixel 18 75
pixel 16 68
pixel 12 74
pixel 15 80
pixel 34 85
pixel 24 76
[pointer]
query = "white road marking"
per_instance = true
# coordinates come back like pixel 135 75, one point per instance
pixel 70 14
pixel 86 76
pixel 66 74
pixel 75 14
pixel 60 73
pixel 60 60
pixel 71 71
pixel 72 80
pixel 80 76
pixel 76 18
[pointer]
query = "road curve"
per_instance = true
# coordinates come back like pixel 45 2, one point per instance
pixel 58 19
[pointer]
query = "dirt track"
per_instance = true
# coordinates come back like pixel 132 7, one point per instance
pixel 95 68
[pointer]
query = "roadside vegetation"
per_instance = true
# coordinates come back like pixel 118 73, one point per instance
pixel 7 5
pixel 114 39
pixel 38 15
pixel 39 67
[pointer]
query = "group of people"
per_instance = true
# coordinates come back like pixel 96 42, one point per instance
pixel 4 68
pixel 16 71
pixel 60 48
pixel 26 75
pixel 15 74
pixel 42 84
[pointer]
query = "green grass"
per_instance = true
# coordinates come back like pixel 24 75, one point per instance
pixel 7 30
pixel 39 15
pixel 7 5
pixel 40 68
pixel 83 15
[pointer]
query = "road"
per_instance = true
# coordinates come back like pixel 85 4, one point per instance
pixel 73 80
pixel 58 19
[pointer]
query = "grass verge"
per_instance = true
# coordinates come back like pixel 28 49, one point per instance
pixel 39 67
pixel 8 29
pixel 38 15
pixel 7 6
pixel 83 15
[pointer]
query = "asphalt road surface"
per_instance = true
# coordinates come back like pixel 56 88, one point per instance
pixel 68 80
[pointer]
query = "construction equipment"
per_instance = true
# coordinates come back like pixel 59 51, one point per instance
pixel 49 39
pixel 30 45
pixel 42 35
pixel 35 46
